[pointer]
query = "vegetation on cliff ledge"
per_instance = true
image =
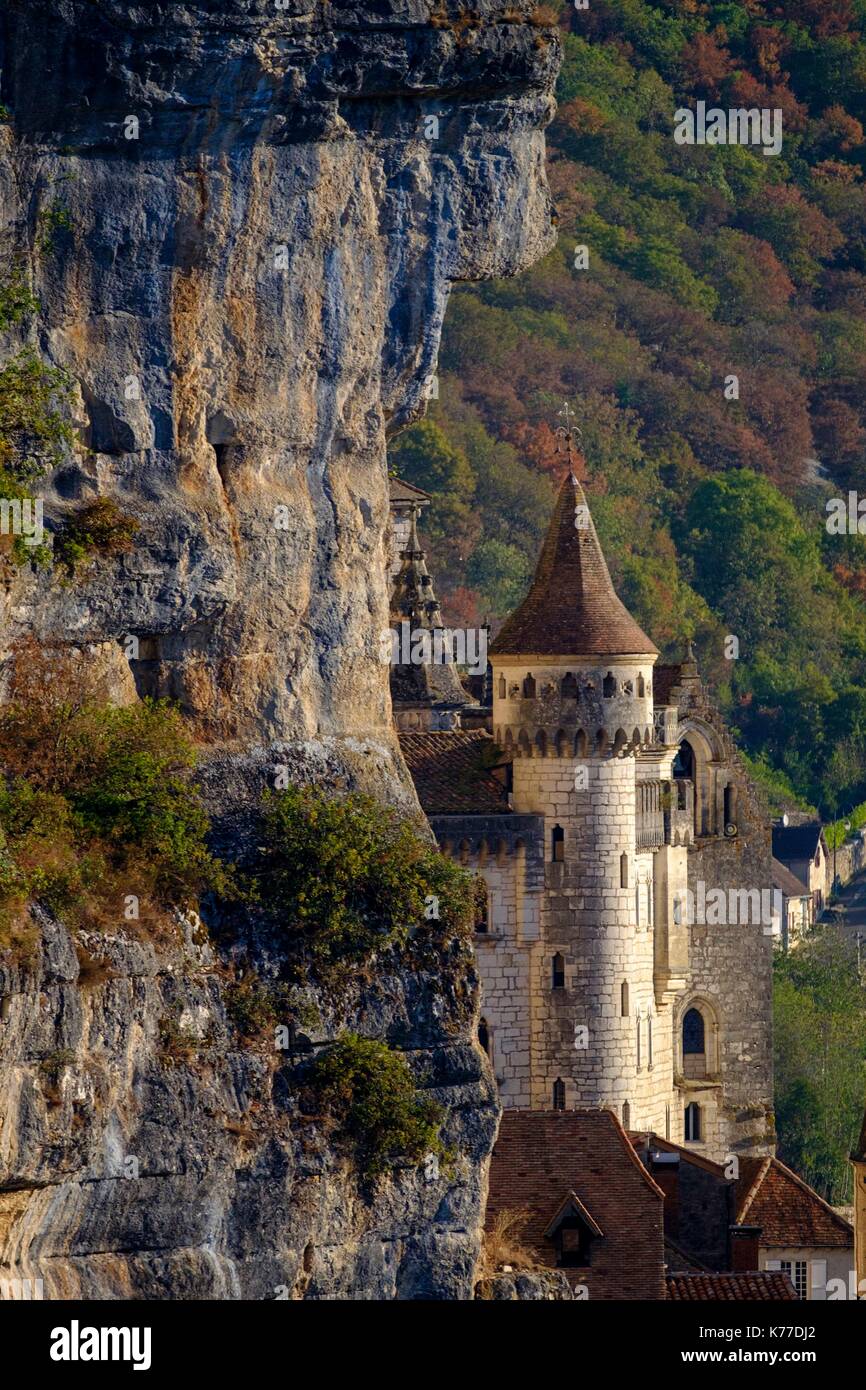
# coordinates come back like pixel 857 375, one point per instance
pixel 369 1092
pixel 348 876
pixel 97 808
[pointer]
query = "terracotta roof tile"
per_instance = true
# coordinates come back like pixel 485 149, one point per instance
pixel 572 608
pixel 542 1156
pixel 771 1286
pixel 451 774
pixel 789 1212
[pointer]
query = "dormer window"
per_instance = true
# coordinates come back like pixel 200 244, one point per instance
pixel 572 1232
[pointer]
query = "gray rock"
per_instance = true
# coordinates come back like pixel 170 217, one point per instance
pixel 249 296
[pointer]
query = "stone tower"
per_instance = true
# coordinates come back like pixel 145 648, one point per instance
pixel 573 707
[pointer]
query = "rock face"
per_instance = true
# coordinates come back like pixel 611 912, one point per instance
pixel 250 293
pixel 242 222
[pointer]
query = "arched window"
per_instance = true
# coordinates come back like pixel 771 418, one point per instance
pixel 558 971
pixel 529 688
pixel 484 1035
pixel 541 743
pixel 626 1116
pixel 641 687
pixel 623 1000
pixel 608 686
pixel 557 844
pixel 559 1094
pixel 568 688
pixel 693 1123
pixel 623 870
pixel 693 1033
pixel 502 688
pixel 684 762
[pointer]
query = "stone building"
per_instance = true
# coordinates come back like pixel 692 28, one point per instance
pixel 626 957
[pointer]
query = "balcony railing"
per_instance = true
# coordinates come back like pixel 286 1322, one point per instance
pixel 665 813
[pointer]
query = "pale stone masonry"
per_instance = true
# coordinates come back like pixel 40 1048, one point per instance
pixel 620 803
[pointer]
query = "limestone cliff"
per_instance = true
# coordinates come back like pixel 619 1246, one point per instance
pixel 255 214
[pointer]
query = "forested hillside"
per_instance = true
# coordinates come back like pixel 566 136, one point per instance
pixel 703 263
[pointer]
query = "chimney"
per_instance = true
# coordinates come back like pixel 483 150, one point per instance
pixel 745 1244
pixel 665 1169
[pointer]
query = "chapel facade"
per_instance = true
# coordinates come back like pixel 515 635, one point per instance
pixel 601 798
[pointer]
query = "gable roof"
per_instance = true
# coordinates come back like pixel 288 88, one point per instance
pixel 572 1203
pixel 797 841
pixel 545 1158
pixel 768 1194
pixel 787 882
pixel 572 608
pixel 771 1286
pixel 451 774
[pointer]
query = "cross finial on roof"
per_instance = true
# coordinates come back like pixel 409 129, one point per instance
pixel 566 434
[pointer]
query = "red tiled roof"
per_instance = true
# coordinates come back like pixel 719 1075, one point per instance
pixel 543 1156
pixel 572 607
pixel 450 774
pixel 771 1286
pixel 789 1212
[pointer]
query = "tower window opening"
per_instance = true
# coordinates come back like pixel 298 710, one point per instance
pixel 557 844
pixel 484 1035
pixel 559 1094
pixel 568 688
pixel 626 1116
pixel 623 870
pixel 502 688
pixel 637 903
pixel 608 686
pixel 529 688
pixel 623 1000
pixel 558 971
pixel 649 1041
pixel 637 1021
pixel 693 1123
pixel 693 1033
pixel 641 687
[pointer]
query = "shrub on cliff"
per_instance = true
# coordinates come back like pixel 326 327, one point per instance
pixel 369 1092
pixel 96 801
pixel 351 877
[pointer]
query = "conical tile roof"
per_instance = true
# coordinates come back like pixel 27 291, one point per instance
pixel 572 608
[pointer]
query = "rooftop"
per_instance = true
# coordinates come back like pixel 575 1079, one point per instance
pixel 796 841
pixel 572 607
pixel 399 491
pixel 452 772
pixel 789 1212
pixel 545 1158
pixel 771 1286
pixel 787 882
